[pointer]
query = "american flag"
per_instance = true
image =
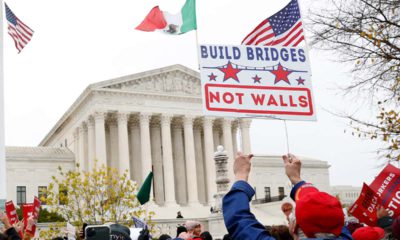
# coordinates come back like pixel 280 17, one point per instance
pixel 284 28
pixel 20 32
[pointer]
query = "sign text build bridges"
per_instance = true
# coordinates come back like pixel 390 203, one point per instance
pixel 251 81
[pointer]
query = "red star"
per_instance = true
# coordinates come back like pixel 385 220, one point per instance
pixel 212 77
pixel 300 81
pixel 230 72
pixel 281 74
pixel 256 79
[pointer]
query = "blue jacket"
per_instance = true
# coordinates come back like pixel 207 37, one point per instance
pixel 241 223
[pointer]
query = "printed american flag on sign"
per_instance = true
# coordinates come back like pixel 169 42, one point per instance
pixel 20 32
pixel 284 28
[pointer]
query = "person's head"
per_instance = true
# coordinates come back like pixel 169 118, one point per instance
pixel 119 231
pixel 144 234
pixel 352 226
pixel 164 237
pixel 206 236
pixel 180 229
pixel 281 232
pixel 318 213
pixel 396 227
pixel 287 208
pixel 193 227
pixel 368 233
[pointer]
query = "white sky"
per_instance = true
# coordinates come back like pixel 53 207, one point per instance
pixel 77 43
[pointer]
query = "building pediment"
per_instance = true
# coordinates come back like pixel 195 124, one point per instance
pixel 173 80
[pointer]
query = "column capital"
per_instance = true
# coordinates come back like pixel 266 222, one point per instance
pixel 208 121
pixel 122 116
pixel 188 120
pixel 82 127
pixel 99 115
pixel 227 121
pixel 245 122
pixel 90 121
pixel 166 118
pixel 144 117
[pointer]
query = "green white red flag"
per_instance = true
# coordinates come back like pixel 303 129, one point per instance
pixel 179 23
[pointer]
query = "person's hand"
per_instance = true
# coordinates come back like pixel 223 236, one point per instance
pixel 19 226
pixel 4 220
pixel 293 228
pixel 241 166
pixel 292 168
pixel 381 212
pixel 31 222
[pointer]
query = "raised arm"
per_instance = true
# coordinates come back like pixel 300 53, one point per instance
pixel 239 220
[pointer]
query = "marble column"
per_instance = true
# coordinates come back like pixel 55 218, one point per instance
pixel 155 137
pixel 234 139
pixel 245 132
pixel 216 138
pixel 198 149
pixel 179 164
pixel 113 144
pixel 91 144
pixel 76 148
pixel 100 133
pixel 169 182
pixel 135 152
pixel 228 145
pixel 123 144
pixel 191 177
pixel 145 144
pixel 85 146
pixel 209 160
pixel 81 148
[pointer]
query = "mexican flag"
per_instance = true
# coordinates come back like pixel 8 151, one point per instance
pixel 179 23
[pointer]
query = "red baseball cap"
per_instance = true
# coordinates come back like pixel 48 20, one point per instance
pixel 368 233
pixel 318 212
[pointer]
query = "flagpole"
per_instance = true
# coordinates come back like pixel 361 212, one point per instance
pixel 197 50
pixel 3 185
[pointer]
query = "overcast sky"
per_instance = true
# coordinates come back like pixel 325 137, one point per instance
pixel 77 43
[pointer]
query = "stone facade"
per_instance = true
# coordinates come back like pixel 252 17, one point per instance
pixel 347 194
pixel 152 121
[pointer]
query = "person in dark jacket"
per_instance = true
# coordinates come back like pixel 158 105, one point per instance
pixel 318 214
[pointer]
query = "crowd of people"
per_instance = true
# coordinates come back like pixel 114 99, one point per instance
pixel 316 215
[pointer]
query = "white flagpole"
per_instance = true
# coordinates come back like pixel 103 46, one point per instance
pixel 3 185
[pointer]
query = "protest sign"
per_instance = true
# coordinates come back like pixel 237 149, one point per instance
pixel 365 207
pixel 387 187
pixel 31 215
pixel 11 212
pixel 255 81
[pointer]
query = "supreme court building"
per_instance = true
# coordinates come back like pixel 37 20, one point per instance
pixel 150 121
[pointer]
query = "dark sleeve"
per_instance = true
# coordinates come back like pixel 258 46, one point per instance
pixel 295 188
pixel 12 234
pixel 240 222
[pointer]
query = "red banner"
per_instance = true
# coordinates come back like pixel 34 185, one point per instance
pixel 11 212
pixel 31 214
pixel 387 187
pixel 365 207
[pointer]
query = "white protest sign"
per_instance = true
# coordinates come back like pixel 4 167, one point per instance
pixel 256 81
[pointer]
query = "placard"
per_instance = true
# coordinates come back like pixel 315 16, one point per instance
pixel 255 81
